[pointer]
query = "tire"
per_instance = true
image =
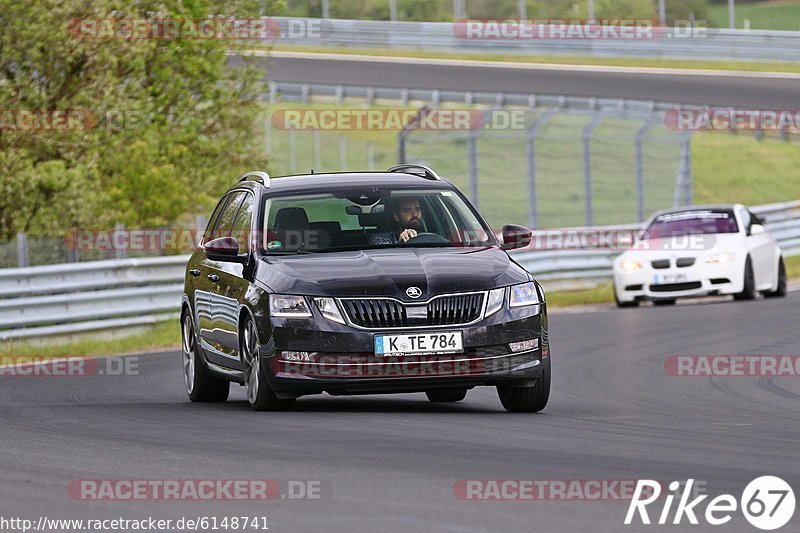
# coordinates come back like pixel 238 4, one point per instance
pixel 259 394
pixel 749 290
pixel 670 301
pixel 526 399
pixel 446 395
pixel 780 290
pixel 634 303
pixel 201 385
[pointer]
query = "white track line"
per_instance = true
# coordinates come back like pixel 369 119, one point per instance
pixel 523 66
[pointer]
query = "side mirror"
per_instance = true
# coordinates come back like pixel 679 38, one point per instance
pixel 516 237
pixel 757 229
pixel 224 249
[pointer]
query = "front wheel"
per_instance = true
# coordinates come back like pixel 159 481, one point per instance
pixel 200 385
pixel 632 303
pixel 749 288
pixel 259 393
pixel 526 399
pixel 780 290
pixel 446 395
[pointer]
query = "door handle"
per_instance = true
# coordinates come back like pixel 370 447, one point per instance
pixel 195 272
pixel 213 277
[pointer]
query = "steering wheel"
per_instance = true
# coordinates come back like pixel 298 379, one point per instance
pixel 427 238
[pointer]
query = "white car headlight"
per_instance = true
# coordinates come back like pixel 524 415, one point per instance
pixel 630 265
pixel 524 294
pixel 721 257
pixel 495 302
pixel 283 305
pixel 329 309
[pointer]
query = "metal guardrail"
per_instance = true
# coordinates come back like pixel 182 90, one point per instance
pixel 671 43
pixel 105 295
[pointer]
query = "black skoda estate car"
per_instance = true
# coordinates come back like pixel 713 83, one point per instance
pixel 360 283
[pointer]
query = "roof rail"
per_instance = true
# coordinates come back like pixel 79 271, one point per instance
pixel 428 173
pixel 260 177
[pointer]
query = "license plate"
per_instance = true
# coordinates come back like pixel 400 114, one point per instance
pixel 669 278
pixel 444 342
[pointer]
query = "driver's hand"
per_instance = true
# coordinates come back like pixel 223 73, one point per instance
pixel 407 234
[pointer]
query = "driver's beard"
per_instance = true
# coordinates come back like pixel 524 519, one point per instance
pixel 414 224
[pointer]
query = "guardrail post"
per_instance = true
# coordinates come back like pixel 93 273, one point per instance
pixel 473 165
pixel 22 250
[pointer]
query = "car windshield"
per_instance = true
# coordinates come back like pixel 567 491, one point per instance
pixel 695 222
pixel 370 219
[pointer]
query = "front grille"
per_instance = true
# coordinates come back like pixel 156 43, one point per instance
pixel 672 287
pixel 685 261
pixel 660 263
pixel 452 309
pixel 455 309
pixel 376 313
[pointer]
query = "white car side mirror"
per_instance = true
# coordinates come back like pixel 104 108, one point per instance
pixel 757 229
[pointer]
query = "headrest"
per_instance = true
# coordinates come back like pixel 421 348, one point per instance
pixel 291 218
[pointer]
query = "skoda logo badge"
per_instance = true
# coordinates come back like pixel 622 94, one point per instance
pixel 413 292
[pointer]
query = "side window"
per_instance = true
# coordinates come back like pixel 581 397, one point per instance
pixel 224 225
pixel 212 222
pixel 241 226
pixel 746 220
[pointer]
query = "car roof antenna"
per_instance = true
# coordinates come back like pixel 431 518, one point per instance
pixel 312 170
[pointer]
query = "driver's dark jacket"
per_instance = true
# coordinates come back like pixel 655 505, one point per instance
pixel 384 237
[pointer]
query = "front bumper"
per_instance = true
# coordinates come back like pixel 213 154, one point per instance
pixel 340 359
pixel 700 279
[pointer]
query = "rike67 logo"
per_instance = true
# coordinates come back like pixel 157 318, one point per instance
pixel 767 503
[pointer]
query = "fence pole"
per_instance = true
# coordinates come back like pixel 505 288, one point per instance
pixel 370 155
pixel 120 252
pixel 22 250
pixel 639 146
pixel 588 130
pixel 317 150
pixel 530 152
pixel 293 151
pixel 342 153
pixel 473 166
pixel 687 139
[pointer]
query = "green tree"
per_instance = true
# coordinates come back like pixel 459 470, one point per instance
pixel 168 122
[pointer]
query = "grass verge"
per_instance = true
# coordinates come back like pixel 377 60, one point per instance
pixel 745 66
pixel 166 335
pixel 771 15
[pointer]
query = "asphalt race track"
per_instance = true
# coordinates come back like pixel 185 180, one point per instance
pixel 746 91
pixel 389 463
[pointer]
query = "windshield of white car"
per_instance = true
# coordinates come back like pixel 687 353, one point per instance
pixel 693 222
pixel 350 220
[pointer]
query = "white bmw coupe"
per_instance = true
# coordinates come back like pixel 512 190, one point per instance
pixel 698 251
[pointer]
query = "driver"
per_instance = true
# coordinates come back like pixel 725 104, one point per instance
pixel 408 216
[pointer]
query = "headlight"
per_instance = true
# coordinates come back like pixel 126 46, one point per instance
pixel 495 302
pixel 524 294
pixel 631 265
pixel 282 305
pixel 329 309
pixel 721 257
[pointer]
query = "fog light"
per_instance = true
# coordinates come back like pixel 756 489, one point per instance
pixel 298 356
pixel 524 346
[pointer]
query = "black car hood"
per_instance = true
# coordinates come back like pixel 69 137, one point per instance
pixel 389 272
